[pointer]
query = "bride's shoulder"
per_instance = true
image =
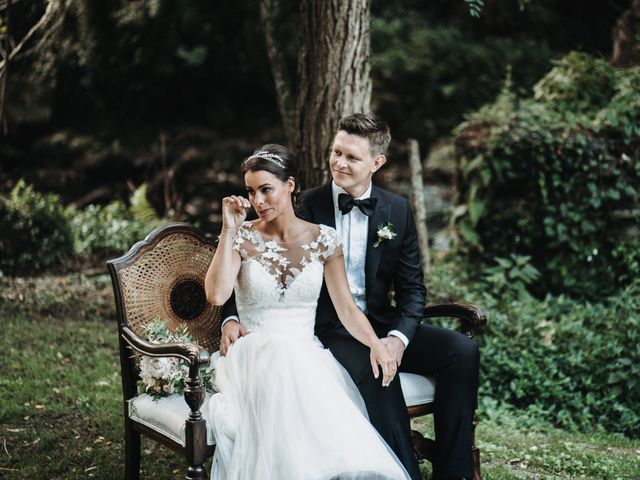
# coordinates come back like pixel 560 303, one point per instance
pixel 326 230
pixel 246 231
pixel 328 236
pixel 323 242
pixel 320 230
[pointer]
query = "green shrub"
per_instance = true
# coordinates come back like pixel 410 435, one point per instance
pixel 35 231
pixel 622 114
pixel 557 177
pixel 574 363
pixel 114 228
pixel 578 83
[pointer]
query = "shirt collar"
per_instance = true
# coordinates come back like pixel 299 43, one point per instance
pixel 336 190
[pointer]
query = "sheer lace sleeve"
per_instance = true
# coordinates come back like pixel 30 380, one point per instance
pixel 329 244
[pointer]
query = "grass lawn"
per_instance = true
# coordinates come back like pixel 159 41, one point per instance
pixel 61 402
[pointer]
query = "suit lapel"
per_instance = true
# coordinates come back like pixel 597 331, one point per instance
pixel 380 216
pixel 323 211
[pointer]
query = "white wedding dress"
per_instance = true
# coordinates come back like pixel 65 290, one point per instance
pixel 285 408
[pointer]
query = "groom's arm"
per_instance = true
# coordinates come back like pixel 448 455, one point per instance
pixel 231 328
pixel 408 280
pixel 229 310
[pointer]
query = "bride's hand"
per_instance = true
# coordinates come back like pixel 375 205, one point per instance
pixel 380 356
pixel 234 211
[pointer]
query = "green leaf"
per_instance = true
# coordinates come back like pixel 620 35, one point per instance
pixel 469 234
pixel 476 210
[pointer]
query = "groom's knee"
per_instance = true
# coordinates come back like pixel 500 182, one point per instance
pixel 466 356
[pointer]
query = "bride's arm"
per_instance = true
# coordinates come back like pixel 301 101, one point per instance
pixel 354 320
pixel 218 283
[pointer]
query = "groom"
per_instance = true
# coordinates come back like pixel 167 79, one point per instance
pixel 380 260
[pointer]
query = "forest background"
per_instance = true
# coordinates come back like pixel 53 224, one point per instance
pixel 119 116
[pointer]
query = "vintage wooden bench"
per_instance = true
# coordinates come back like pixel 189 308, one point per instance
pixel 163 276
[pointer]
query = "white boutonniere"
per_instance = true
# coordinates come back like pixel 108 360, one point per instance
pixel 385 232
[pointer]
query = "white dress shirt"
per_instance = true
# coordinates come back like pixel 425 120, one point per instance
pixel 353 231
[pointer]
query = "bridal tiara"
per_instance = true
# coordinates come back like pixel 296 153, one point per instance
pixel 271 157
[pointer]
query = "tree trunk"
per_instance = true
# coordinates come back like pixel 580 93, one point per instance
pixel 333 78
pixel 626 38
pixel 419 206
pixel 269 15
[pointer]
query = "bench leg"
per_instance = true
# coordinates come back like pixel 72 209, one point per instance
pixel 475 451
pixel 196 443
pixel 422 446
pixel 131 452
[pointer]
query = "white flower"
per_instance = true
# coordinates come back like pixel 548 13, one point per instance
pixel 385 232
pixel 161 376
pixel 156 367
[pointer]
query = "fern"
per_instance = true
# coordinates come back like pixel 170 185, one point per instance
pixel 140 206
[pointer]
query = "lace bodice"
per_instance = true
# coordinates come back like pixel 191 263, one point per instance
pixel 278 284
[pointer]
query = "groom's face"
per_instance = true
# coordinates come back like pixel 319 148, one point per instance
pixel 353 163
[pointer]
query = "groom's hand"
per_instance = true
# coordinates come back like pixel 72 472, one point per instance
pixel 395 347
pixel 231 331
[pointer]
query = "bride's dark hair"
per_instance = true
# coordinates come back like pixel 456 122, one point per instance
pixel 277 160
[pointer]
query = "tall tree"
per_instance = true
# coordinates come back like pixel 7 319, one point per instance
pixel 626 38
pixel 333 75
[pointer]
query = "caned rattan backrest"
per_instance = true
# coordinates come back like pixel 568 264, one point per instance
pixel 163 276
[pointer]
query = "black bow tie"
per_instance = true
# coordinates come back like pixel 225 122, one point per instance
pixel 347 202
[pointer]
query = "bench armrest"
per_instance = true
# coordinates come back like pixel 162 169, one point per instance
pixel 196 356
pixel 470 316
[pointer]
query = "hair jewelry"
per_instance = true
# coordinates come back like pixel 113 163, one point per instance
pixel 271 157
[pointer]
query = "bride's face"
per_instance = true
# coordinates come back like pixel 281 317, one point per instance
pixel 269 195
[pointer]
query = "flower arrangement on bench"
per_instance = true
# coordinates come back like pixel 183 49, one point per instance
pixel 163 376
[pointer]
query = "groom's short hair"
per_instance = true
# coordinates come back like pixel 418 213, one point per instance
pixel 369 126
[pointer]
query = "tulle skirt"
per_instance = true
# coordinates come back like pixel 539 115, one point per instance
pixel 286 410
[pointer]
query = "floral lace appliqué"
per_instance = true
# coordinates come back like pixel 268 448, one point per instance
pixel 285 264
pixel 322 247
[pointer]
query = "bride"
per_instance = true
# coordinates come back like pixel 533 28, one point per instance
pixel 285 408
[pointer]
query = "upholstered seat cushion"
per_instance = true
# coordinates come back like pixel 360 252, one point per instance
pixel 167 415
pixel 417 390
